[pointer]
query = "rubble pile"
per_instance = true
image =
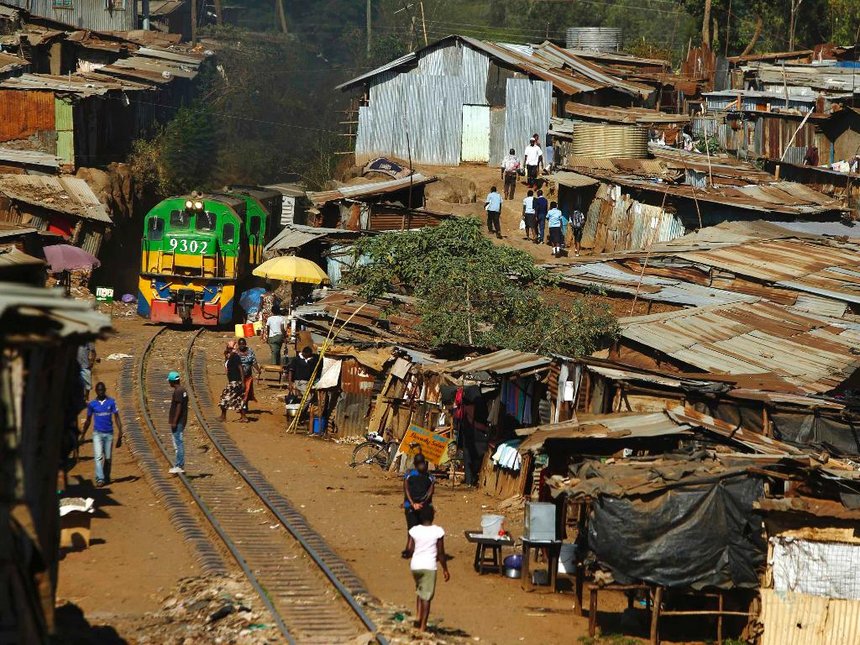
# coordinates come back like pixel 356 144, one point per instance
pixel 397 625
pixel 208 610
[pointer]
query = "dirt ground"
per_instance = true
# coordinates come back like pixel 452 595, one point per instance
pixel 136 556
pixel 485 178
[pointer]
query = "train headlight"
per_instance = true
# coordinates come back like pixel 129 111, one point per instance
pixel 198 205
pixel 189 204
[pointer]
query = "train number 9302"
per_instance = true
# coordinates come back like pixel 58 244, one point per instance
pixel 189 246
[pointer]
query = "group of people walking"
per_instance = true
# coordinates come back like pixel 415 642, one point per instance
pixel 538 213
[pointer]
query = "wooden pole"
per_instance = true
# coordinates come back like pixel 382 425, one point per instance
pixel 423 23
pixel 193 22
pixel 367 18
pixel 655 616
pixel 282 16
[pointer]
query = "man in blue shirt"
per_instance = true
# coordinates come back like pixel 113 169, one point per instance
pixel 541 208
pixel 102 413
pixel 493 206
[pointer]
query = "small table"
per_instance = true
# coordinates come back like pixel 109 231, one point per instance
pixel 553 550
pixel 482 543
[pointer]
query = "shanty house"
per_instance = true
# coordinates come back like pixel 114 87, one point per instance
pixel 95 15
pixel 463 99
pixel 41 331
pixel 64 206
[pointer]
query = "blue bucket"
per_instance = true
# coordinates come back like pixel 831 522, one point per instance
pixel 319 425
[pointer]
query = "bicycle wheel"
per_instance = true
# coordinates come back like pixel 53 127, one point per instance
pixel 369 452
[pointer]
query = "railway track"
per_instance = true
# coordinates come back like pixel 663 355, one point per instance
pixel 309 591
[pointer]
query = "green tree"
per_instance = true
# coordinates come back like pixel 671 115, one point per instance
pixel 188 149
pixel 473 292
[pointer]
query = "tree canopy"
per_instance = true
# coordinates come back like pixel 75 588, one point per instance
pixel 473 292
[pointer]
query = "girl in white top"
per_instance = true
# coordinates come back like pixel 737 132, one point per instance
pixel 427 548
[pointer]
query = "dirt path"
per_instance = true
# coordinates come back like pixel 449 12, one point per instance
pixel 135 553
pixel 137 557
pixel 359 513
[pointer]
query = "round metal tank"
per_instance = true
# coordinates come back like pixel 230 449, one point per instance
pixel 603 141
pixel 604 39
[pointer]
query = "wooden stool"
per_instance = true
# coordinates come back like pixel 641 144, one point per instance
pixel 493 560
pixel 553 550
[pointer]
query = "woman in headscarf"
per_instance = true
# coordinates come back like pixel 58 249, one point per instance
pixel 249 363
pixel 233 396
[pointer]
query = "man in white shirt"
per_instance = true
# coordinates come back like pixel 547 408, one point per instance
pixel 533 158
pixel 493 206
pixel 275 325
pixel 510 170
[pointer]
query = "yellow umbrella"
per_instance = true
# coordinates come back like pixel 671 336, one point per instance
pixel 290 268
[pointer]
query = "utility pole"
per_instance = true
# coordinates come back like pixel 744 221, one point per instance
pixel 423 23
pixel 367 11
pixel 282 16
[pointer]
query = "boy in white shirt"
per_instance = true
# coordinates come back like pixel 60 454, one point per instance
pixel 427 548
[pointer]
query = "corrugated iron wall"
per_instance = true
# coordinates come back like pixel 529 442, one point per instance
pixel 428 102
pixel 23 114
pixel 98 15
pixel 763 135
pixel 616 222
pixel 529 110
pixel 65 126
pixel 802 619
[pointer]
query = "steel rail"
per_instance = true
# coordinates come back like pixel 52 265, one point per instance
pixel 216 526
pixel 235 460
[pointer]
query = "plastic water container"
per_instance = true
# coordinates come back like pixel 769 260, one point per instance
pixel 491 525
pixel 319 425
pixel 245 330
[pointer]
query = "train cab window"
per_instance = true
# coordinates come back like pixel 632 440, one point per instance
pixel 179 219
pixel 155 229
pixel 205 221
pixel 254 227
pixel 228 234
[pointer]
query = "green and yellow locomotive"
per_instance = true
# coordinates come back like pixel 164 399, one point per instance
pixel 196 250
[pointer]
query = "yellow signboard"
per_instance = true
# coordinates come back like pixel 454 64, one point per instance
pixel 433 446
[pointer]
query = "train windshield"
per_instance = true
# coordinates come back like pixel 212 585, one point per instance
pixel 155 229
pixel 179 219
pixel 205 221
pixel 228 234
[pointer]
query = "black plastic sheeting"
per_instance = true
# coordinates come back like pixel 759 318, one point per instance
pixel 697 536
pixel 819 431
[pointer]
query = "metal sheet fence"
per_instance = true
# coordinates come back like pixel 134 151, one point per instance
pixel 528 109
pixel 616 222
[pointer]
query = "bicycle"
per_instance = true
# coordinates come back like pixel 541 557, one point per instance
pixel 376 450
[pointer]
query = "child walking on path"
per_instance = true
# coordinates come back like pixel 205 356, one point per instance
pixel 427 546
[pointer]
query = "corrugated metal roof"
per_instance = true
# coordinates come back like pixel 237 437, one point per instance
pixel 9 230
pixel 614 279
pixel 73 84
pixel 548 62
pixel 10 256
pixel 613 114
pixel 290 238
pixel 61 194
pixel 604 426
pixel 504 361
pixel 29 158
pixel 573 179
pixel 362 191
pixel 68 316
pixel 815 354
